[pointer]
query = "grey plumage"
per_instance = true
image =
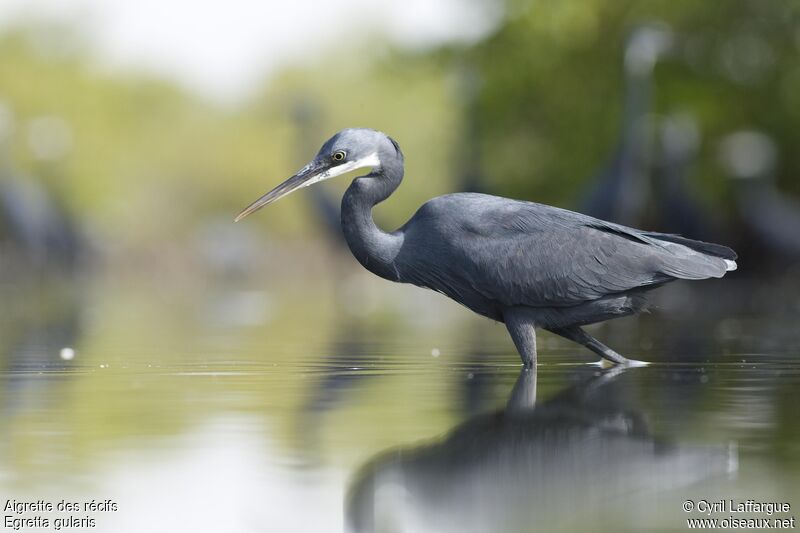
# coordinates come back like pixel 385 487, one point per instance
pixel 526 264
pixel 490 253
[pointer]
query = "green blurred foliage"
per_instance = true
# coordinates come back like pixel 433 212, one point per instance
pixel 550 106
pixel 138 143
pixel 150 161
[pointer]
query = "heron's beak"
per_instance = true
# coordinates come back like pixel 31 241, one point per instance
pixel 308 175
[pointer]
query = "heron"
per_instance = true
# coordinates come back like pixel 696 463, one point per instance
pixel 524 264
pixel 750 158
pixel 679 211
pixel 620 189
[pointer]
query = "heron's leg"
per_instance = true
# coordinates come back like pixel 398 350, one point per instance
pixel 523 332
pixel 576 334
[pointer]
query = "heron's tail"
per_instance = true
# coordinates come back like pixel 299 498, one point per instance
pixel 701 260
pixel 708 248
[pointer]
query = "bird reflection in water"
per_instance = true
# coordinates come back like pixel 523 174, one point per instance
pixel 551 465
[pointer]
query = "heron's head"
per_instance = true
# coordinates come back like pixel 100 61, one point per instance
pixel 646 45
pixel 348 150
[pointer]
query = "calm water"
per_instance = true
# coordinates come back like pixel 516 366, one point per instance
pixel 197 405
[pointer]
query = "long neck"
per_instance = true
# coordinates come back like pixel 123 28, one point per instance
pixel 374 248
pixel 638 88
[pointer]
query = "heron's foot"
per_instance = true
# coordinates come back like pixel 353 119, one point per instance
pixel 633 363
pixel 610 357
pixel 625 363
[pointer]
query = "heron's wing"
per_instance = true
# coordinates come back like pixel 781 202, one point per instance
pixel 521 253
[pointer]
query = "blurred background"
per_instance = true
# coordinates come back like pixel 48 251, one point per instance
pixel 144 336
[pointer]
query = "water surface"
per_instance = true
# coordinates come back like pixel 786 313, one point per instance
pixel 264 406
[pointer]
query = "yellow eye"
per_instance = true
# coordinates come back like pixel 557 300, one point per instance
pixel 339 155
